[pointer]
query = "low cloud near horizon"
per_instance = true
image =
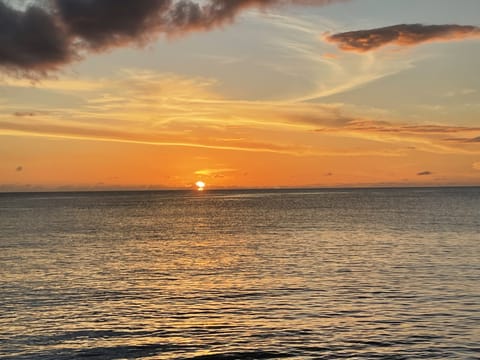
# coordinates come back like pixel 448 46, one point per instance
pixel 362 41
pixel 424 173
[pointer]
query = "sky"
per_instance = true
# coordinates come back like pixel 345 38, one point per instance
pixel 156 94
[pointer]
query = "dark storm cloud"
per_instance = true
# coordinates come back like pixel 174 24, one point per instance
pixel 104 23
pixel 403 35
pixel 187 15
pixel 110 22
pixel 32 40
pixel 49 33
pixel 424 173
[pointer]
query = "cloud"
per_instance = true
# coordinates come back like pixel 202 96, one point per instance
pixel 389 128
pixel 102 23
pixel 464 140
pixel 32 40
pixel 45 35
pixel 215 173
pixel 24 113
pixel 169 110
pixel 164 139
pixel 424 173
pixel 139 106
pixel 187 15
pixel 403 35
pixel 422 137
pixel 461 92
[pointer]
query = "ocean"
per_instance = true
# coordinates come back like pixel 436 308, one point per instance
pixel 247 274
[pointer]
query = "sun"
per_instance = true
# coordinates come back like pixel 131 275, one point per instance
pixel 200 185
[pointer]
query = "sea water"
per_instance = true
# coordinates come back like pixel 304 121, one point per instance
pixel 259 274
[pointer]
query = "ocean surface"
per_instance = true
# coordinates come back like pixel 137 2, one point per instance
pixel 264 274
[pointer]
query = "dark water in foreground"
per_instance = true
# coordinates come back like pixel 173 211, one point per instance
pixel 311 274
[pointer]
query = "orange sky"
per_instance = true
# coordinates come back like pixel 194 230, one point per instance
pixel 266 101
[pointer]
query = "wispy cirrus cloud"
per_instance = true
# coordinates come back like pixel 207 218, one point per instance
pixel 97 133
pixel 425 137
pixel 388 127
pixel 169 110
pixel 362 41
pixel 216 173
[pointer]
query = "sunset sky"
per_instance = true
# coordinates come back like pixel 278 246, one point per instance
pixel 153 94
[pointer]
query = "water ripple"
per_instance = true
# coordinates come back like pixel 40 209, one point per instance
pixel 363 274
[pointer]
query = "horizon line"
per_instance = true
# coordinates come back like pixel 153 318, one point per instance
pixel 270 188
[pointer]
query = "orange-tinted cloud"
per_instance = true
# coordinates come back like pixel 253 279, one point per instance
pixel 465 140
pixel 426 137
pixel 387 127
pixel 142 107
pixel 403 35
pixel 157 139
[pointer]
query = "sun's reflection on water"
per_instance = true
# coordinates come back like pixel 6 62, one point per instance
pixel 181 276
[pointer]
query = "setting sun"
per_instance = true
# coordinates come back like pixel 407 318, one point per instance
pixel 200 185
